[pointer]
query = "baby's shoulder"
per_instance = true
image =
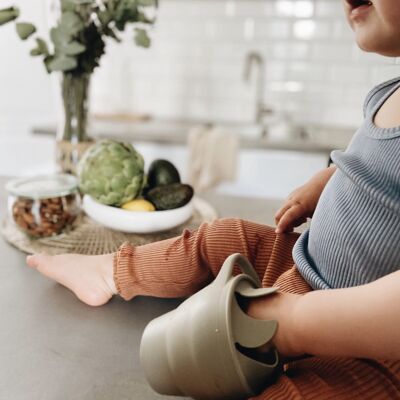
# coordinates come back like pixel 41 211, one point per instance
pixel 375 94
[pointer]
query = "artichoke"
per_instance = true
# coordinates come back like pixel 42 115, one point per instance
pixel 111 172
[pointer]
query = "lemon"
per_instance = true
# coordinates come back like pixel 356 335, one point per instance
pixel 138 205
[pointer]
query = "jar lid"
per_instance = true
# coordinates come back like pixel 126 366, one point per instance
pixel 43 186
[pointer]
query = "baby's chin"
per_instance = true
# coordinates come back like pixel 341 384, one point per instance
pixel 377 44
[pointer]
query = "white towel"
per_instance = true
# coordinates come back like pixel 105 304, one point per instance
pixel 212 157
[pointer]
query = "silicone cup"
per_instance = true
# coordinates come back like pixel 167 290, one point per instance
pixel 198 349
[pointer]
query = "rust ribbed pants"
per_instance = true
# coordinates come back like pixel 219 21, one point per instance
pixel 181 266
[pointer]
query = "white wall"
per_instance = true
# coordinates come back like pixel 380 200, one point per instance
pixel 314 70
pixel 25 88
pixel 194 68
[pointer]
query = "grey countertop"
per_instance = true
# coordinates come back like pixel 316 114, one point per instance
pixel 310 139
pixel 53 347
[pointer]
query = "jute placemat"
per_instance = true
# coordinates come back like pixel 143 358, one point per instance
pixel 88 237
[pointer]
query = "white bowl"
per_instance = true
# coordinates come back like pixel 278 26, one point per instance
pixel 136 221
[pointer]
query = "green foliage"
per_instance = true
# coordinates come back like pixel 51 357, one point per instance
pixel 65 44
pixel 67 5
pixel 25 29
pixel 8 15
pixel 90 59
pixel 111 172
pixel 78 39
pixel 71 24
pixel 147 3
pixel 41 48
pixel 62 62
pixel 77 45
pixel 141 38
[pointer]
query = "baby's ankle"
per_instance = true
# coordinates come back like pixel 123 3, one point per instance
pixel 107 268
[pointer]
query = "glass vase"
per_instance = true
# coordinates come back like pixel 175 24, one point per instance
pixel 72 136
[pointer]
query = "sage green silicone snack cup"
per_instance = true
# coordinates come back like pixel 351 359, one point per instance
pixel 205 348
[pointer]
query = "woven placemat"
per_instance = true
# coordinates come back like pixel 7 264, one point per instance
pixel 88 237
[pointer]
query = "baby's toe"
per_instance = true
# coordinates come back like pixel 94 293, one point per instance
pixel 38 261
pixel 32 261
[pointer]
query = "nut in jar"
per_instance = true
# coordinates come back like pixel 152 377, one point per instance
pixel 44 206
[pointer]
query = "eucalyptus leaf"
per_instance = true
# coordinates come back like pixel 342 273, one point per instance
pixel 79 36
pixel 73 48
pixel 111 33
pixel 147 3
pixel 105 17
pixel 68 5
pixel 71 23
pixel 63 43
pixel 8 15
pixel 40 49
pixel 126 12
pixel 142 38
pixel 85 2
pixel 59 38
pixel 25 29
pixel 62 63
pixel 47 60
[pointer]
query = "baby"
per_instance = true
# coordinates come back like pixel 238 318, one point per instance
pixel 353 240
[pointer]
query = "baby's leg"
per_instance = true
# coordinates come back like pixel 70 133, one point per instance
pixel 181 266
pixel 171 268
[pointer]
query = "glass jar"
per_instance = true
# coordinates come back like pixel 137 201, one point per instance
pixel 43 206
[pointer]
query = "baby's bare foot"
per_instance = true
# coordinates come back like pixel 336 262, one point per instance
pixel 89 277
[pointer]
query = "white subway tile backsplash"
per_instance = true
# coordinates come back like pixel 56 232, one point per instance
pixel 313 68
pixel 197 60
pixel 280 29
pixel 291 51
pixel 341 30
pixel 328 8
pixel 194 68
pixel 253 8
pixel 304 29
pixel 341 116
pixel 295 8
pixel 348 74
pixel 305 71
pixel 323 30
pixel 383 73
pixel 330 52
pixel 276 70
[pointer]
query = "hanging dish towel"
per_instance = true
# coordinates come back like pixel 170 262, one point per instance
pixel 213 156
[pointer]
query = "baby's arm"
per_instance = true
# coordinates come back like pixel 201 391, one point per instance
pixel 302 202
pixel 362 321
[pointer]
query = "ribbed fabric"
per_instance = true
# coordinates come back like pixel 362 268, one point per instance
pixel 181 266
pixel 355 231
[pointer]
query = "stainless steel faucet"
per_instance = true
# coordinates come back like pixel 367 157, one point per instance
pixel 254 59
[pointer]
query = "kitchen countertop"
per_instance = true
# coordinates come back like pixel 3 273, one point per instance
pixel 314 139
pixel 53 347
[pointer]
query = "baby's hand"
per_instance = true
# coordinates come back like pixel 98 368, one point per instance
pixel 302 202
pixel 299 206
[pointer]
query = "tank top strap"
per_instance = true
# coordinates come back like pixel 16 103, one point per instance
pixel 376 93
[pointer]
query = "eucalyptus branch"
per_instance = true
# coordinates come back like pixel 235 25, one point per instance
pixel 78 43
pixel 78 39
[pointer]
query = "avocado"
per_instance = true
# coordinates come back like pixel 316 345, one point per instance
pixel 162 173
pixel 169 197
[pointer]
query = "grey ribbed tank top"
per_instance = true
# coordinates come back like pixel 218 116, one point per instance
pixel 354 236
